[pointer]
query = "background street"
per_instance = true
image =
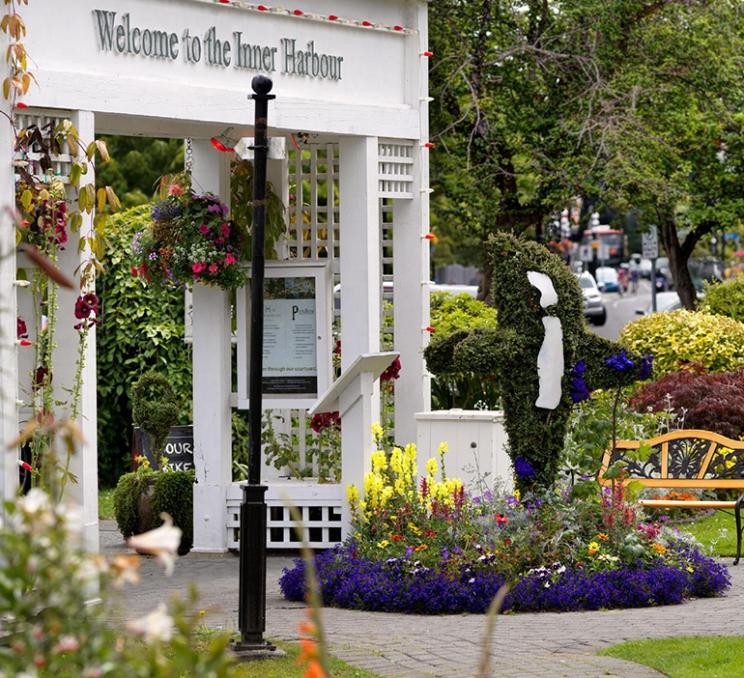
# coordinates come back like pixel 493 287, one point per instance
pixel 622 309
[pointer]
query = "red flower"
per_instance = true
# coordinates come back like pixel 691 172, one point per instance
pixel 21 329
pixel 507 542
pixel 213 268
pixel 397 537
pixel 392 372
pixel 501 519
pixel 175 189
pixel 225 230
pixel 324 420
pixel 204 229
pixel 135 271
pixel 430 533
pixel 198 267
pixel 229 260
pixel 40 377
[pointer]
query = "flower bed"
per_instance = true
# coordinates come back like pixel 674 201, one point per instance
pixel 429 547
pixel 403 585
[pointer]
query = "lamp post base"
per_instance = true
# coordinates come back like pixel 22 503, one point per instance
pixel 246 652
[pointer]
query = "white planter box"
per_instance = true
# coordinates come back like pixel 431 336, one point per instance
pixel 477 445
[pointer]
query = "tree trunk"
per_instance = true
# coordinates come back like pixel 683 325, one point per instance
pixel 678 256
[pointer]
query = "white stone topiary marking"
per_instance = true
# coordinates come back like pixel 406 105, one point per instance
pixel 550 365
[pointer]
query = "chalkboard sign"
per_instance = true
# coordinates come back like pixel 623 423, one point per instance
pixel 178 450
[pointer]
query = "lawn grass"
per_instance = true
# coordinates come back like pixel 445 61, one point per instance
pixel 106 504
pixel 287 668
pixel 717 534
pixel 690 657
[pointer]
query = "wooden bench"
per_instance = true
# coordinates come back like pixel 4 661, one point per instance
pixel 688 459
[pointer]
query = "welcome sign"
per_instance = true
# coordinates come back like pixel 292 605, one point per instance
pixel 120 35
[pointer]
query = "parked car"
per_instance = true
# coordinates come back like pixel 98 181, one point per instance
pixel 665 301
pixel 607 279
pixel 594 308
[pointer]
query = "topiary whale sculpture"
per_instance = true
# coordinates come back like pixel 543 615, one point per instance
pixel 542 354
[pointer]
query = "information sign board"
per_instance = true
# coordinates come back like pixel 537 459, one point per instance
pixel 650 244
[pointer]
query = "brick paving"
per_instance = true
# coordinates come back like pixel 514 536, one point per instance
pixel 534 645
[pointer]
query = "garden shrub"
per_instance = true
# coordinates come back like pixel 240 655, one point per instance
pixel 726 298
pixel 450 312
pixel 509 354
pixel 590 433
pixel 142 329
pixel 154 408
pixel 172 493
pixel 682 337
pixel 711 402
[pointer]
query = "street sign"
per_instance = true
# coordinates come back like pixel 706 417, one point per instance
pixel 650 244
pixel 585 253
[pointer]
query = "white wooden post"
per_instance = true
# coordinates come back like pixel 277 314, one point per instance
pixel 8 356
pixel 411 258
pixel 84 463
pixel 212 384
pixel 360 291
pixel 360 250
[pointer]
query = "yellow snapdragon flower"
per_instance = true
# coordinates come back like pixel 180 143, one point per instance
pixel 443 448
pixel 432 467
pixel 352 495
pixel 377 432
pixel 379 461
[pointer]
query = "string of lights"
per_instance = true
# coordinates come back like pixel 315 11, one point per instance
pixel 309 16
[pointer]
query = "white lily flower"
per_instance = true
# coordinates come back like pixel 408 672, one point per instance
pixel 162 542
pixel 158 625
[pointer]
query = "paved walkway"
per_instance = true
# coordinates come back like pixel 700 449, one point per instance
pixel 535 645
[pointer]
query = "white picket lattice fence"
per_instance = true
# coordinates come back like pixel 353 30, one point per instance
pixel 396 169
pixel 319 506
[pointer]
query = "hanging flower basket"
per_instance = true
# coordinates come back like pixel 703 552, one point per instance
pixel 190 239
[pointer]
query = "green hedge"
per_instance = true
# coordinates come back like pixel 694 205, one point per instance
pixel 679 337
pixel 142 329
pixel 726 298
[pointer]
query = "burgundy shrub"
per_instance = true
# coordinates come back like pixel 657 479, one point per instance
pixel 711 402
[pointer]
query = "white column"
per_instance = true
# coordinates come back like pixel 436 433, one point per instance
pixel 360 297
pixel 8 356
pixel 212 383
pixel 411 256
pixel 84 463
pixel 355 406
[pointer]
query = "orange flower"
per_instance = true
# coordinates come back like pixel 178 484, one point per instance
pixel 308 628
pixel 308 651
pixel 602 536
pixel 397 537
pixel 314 670
pixel 421 547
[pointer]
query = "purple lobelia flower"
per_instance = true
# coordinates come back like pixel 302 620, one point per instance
pixel 620 362
pixel 579 388
pixel 647 367
pixel 523 468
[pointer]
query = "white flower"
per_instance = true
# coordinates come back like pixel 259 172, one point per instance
pixel 158 625
pixel 66 644
pixel 162 542
pixel 34 502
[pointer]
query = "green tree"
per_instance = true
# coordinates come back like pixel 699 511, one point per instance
pixel 136 165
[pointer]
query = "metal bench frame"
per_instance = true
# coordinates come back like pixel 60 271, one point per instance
pixel 689 459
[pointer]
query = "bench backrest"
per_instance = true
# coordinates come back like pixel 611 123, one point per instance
pixel 685 458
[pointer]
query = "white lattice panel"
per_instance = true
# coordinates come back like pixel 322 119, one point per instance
pixel 396 169
pixel 61 163
pixel 319 506
pixel 314 203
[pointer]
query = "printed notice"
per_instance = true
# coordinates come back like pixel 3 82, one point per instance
pixel 290 365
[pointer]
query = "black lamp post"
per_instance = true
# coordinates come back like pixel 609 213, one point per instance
pixel 252 592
